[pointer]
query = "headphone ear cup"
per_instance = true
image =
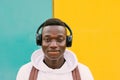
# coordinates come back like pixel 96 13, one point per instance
pixel 68 41
pixel 39 39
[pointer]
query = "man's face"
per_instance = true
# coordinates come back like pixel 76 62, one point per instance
pixel 54 42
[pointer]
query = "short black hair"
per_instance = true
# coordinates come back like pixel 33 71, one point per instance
pixel 53 21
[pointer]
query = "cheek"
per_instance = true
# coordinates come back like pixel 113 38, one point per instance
pixel 63 44
pixel 44 46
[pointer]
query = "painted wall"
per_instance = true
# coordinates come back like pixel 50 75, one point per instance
pixel 96 34
pixel 19 20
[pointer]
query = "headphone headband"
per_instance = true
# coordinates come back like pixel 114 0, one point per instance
pixel 39 36
pixel 42 25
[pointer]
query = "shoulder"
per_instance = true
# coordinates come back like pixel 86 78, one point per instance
pixel 85 72
pixel 26 67
pixel 24 71
pixel 82 66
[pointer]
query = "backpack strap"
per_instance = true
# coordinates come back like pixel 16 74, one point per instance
pixel 34 73
pixel 76 74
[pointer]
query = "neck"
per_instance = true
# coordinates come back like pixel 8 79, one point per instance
pixel 54 64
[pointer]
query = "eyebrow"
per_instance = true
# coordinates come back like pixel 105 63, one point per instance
pixel 59 35
pixel 46 35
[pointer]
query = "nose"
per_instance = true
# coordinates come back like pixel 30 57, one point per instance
pixel 53 44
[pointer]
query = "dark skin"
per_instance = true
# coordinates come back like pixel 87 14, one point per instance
pixel 54 45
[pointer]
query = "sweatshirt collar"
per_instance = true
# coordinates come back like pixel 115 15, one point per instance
pixel 71 62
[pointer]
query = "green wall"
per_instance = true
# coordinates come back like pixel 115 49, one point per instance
pixel 19 20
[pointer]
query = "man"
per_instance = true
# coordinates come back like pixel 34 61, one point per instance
pixel 54 61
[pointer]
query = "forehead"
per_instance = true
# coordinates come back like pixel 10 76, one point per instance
pixel 54 29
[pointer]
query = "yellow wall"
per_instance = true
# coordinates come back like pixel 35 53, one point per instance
pixel 96 29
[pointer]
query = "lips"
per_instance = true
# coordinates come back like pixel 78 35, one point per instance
pixel 54 52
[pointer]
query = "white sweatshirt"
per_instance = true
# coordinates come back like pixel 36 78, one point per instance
pixel 46 73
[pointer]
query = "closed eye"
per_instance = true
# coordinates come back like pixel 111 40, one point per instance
pixel 60 39
pixel 46 39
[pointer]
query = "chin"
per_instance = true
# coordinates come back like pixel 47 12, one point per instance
pixel 54 58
